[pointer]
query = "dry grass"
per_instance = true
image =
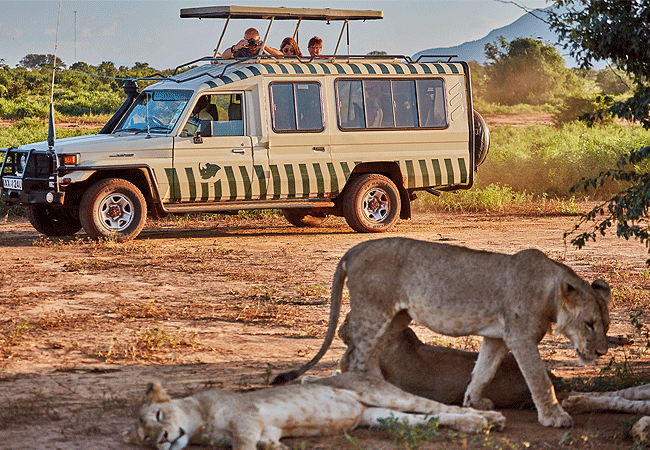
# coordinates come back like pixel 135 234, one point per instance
pixel 155 344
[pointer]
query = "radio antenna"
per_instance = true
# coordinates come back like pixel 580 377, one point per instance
pixel 51 134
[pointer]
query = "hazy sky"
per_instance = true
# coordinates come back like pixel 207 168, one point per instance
pixel 152 31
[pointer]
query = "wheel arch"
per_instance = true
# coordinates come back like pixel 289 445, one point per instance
pixel 141 176
pixel 391 170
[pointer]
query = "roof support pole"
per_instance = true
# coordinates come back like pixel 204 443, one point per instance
pixel 338 43
pixel 295 33
pixel 266 36
pixel 216 50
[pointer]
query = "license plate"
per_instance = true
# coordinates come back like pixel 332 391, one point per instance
pixel 15 184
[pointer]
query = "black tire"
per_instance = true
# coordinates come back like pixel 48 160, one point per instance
pixel 113 209
pixel 52 222
pixel 371 204
pixel 304 217
pixel 481 139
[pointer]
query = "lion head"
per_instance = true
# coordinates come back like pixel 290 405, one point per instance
pixel 583 317
pixel 161 422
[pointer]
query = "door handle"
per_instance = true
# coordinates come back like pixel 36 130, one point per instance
pixel 319 149
pixel 240 151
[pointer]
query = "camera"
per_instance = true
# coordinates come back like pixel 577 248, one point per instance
pixel 252 42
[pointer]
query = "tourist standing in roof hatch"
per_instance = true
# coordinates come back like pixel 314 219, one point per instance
pixel 248 47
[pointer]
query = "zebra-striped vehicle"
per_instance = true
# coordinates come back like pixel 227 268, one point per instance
pixel 353 136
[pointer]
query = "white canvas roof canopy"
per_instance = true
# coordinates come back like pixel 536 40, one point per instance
pixel 272 14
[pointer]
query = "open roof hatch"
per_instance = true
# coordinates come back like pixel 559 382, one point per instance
pixel 272 14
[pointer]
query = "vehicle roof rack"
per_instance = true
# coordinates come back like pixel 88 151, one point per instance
pixel 250 12
pixel 272 14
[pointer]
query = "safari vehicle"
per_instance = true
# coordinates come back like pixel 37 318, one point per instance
pixel 343 135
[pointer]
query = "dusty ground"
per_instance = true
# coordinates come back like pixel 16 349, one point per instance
pixel 227 303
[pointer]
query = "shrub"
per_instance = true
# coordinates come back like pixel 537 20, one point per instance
pixel 547 160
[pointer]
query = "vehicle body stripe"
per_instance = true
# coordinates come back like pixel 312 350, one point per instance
pixel 334 181
pixel 450 171
pixel 463 170
pixel 261 178
pixel 320 183
pixel 277 182
pixel 304 175
pixel 191 183
pixel 174 185
pixel 232 182
pixel 291 180
pixel 425 172
pixel 436 172
pixel 370 69
pixel 217 190
pixel 346 170
pixel 248 194
pixel 410 174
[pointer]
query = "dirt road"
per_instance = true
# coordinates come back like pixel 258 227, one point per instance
pixel 228 303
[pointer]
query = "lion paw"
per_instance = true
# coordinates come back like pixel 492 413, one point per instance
pixel 471 423
pixel 641 429
pixel 575 403
pixel 483 404
pixel 559 419
pixel 497 419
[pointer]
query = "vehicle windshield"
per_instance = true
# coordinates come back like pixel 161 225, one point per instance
pixel 155 112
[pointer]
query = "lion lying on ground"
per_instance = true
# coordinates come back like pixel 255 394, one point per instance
pixel 325 406
pixel 634 400
pixel 510 300
pixel 442 374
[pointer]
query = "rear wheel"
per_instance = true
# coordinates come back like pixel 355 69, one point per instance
pixel 481 139
pixel 113 209
pixel 52 222
pixel 371 204
pixel 304 217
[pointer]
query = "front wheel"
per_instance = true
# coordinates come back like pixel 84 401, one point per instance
pixel 371 204
pixel 113 209
pixel 304 217
pixel 52 222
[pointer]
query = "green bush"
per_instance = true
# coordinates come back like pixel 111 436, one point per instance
pixel 548 160
pixel 30 130
pixel 22 107
pixel 494 197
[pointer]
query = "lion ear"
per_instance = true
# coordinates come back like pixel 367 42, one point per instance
pixel 568 295
pixel 602 287
pixel 155 394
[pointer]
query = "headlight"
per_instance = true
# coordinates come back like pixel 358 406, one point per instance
pixel 22 165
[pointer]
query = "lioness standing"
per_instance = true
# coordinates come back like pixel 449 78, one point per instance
pixel 510 300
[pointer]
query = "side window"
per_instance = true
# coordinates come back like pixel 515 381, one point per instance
pixel 350 104
pixel 385 103
pixel 308 106
pixel 379 105
pixel 431 103
pixel 296 107
pixel 216 115
pixel 406 113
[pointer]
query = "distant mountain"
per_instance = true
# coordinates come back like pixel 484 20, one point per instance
pixel 529 25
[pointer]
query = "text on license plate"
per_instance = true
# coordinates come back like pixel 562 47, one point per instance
pixel 12 183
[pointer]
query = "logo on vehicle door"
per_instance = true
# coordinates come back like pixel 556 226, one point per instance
pixel 209 171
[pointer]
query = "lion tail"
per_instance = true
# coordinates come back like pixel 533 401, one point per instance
pixel 335 310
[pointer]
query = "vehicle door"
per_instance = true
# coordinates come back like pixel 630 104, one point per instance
pixel 299 153
pixel 213 155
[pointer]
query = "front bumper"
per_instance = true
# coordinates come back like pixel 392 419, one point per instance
pixel 36 173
